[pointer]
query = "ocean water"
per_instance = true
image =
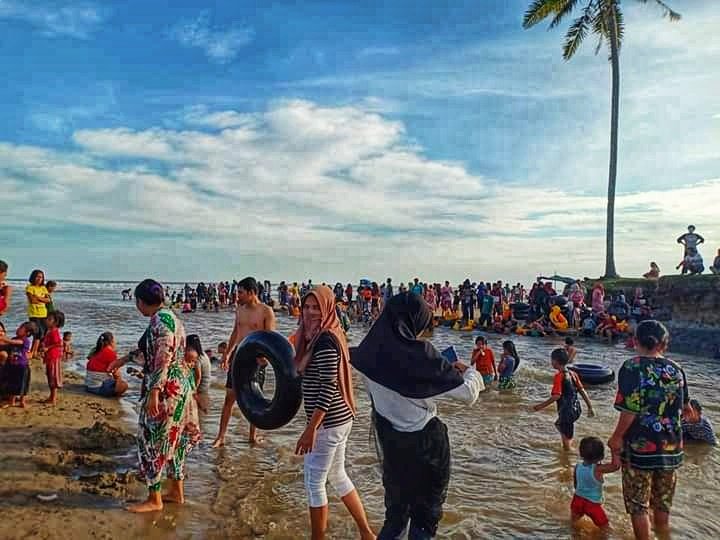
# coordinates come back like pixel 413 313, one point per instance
pixel 510 479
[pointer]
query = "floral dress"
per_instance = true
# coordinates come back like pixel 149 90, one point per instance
pixel 164 440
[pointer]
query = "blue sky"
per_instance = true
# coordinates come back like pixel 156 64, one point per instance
pixel 339 139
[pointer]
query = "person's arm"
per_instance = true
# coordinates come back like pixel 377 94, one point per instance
pixel 8 296
pixel 198 375
pixel 701 240
pixel 681 239
pixel 470 389
pixel 14 342
pixel 269 321
pixel 586 399
pixel 606 468
pixel 627 401
pixel 164 353
pixel 232 342
pixel 549 401
pixel 326 358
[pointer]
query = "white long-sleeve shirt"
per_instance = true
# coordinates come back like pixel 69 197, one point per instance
pixel 408 414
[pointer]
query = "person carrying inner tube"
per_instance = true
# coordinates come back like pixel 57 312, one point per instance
pixel 403 376
pixel 323 358
pixel 251 315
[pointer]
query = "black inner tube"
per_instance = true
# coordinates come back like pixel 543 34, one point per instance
pixel 593 373
pixel 260 411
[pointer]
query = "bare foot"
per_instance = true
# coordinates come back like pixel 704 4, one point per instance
pixel 145 506
pixel 219 442
pixel 21 404
pixel 256 440
pixel 173 498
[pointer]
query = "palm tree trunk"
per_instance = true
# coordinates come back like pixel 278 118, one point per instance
pixel 610 271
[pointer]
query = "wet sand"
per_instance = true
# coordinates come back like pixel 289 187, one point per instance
pixel 79 452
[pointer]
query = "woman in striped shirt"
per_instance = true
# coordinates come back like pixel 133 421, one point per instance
pixel 323 359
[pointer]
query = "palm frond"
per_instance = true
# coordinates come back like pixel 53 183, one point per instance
pixel 541 9
pixel 619 23
pixel 600 29
pixel 578 30
pixel 667 10
pixel 563 12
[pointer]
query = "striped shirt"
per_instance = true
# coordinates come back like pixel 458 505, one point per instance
pixel 320 384
pixel 700 431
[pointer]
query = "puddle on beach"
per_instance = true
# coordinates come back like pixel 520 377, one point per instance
pixel 509 477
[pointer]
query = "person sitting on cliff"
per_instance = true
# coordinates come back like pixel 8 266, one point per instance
pixel 692 263
pixel 715 268
pixel 691 239
pixel 653 273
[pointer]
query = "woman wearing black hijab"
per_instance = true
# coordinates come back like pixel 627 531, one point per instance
pixel 403 376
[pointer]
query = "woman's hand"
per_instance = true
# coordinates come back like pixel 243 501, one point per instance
pixel 615 443
pixel 460 366
pixel 153 403
pixel 591 413
pixel 307 441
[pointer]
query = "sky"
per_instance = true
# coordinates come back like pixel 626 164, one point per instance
pixel 340 140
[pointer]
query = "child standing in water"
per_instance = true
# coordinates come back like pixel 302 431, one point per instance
pixel 565 390
pixel 52 345
pixel 588 480
pixel 508 366
pixel 484 361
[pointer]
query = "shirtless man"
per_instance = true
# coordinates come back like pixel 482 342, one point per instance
pixel 251 315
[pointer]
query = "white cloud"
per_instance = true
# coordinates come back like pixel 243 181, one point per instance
pixel 336 190
pixel 74 20
pixel 219 45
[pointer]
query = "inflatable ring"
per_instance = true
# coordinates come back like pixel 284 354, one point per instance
pixel 260 411
pixel 593 373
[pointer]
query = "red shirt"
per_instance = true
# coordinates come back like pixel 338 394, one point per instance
pixel 484 361
pixel 557 388
pixel 101 360
pixel 52 343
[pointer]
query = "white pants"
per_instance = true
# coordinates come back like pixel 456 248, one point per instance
pixel 326 463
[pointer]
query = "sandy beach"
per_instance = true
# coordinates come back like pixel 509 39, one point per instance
pixel 66 470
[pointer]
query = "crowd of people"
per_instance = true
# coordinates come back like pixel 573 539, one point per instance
pixel 647 443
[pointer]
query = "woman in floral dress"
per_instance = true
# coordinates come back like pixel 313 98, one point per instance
pixel 168 420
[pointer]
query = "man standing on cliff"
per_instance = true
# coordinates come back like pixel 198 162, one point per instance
pixel 251 315
pixel 691 240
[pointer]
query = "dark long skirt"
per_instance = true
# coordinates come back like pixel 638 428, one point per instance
pixel 416 473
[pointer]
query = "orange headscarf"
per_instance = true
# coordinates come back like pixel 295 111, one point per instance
pixel 329 323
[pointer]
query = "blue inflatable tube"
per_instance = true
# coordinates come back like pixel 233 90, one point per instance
pixel 593 373
pixel 260 411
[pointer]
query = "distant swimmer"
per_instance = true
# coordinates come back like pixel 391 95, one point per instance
pixel 127 294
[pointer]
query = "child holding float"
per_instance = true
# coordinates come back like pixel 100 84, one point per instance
pixel 565 390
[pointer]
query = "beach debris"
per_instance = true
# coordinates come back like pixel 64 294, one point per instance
pixel 47 498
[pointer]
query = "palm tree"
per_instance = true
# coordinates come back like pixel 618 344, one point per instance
pixel 603 18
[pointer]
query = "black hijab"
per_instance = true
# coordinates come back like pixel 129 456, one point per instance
pixel 391 354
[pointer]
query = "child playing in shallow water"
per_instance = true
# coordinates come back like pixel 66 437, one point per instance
pixel 588 480
pixel 565 390
pixel 508 366
pixel 52 347
pixel 484 361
